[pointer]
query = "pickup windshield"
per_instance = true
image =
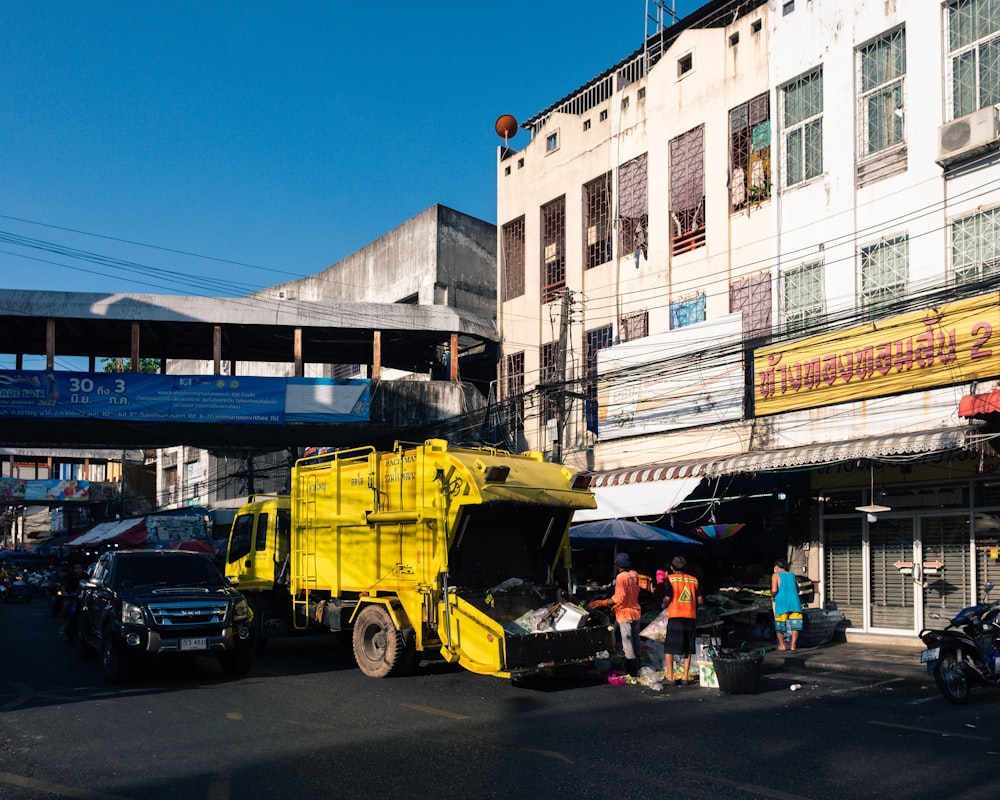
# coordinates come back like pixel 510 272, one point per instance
pixel 158 571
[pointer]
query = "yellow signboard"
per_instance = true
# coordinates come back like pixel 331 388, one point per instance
pixel 948 344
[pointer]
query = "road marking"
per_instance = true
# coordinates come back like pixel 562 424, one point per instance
pixel 55 788
pixel 867 686
pixel 549 754
pixel 436 711
pixel 923 700
pixel 931 731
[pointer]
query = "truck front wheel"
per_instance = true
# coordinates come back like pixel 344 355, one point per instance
pixel 378 645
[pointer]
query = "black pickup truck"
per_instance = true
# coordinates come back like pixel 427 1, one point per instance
pixel 153 603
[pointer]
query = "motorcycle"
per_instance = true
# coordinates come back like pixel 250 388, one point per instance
pixel 966 652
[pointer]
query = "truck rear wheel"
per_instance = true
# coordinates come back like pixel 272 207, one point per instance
pixel 378 645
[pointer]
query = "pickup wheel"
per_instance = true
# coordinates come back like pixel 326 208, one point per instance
pixel 114 662
pixel 237 663
pixel 378 645
pixel 84 649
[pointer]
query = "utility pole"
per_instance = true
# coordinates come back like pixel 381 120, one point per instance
pixel 560 391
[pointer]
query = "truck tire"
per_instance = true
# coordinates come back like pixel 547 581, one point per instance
pixel 378 645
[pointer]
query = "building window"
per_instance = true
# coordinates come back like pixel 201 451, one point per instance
pixel 549 380
pixel 633 209
pixel 752 295
pixel 882 65
pixel 513 259
pixel 802 119
pixel 734 39
pixel 597 340
pixel 553 249
pixel 514 387
pixel 597 221
pixel 552 142
pixel 520 163
pixel 750 152
pixel 603 115
pixel 687 191
pixel 586 124
pixel 641 93
pixel 973 54
pixel 624 102
pixel 687 312
pixel 975 247
pixel 802 303
pixel 345 370
pixel 885 268
pixel 685 64
pixel 634 326
pixel 788 8
pixel 755 26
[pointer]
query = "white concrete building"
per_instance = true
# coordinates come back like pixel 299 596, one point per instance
pixel 756 259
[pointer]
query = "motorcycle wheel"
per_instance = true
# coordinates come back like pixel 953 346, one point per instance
pixel 951 680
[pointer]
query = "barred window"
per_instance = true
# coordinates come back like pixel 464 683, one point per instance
pixel 687 191
pixel 802 120
pixel 687 312
pixel 633 207
pixel 553 248
pixel 802 299
pixel 634 326
pixel 345 370
pixel 885 268
pixel 880 102
pixel 975 246
pixel 597 339
pixel 514 392
pixel 597 221
pixel 751 294
pixel 750 152
pixel 973 54
pixel 513 259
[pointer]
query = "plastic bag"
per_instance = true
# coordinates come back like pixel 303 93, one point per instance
pixel 657 629
pixel 648 677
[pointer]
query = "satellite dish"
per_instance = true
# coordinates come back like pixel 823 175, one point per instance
pixel 506 127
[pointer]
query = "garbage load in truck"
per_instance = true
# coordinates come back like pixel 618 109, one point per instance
pixel 424 549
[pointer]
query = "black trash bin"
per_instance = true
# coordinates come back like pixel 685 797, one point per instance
pixel 738 671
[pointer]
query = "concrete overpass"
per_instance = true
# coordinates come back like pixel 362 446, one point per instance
pixel 263 337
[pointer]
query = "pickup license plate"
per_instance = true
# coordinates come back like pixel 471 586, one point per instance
pixel 199 643
pixel 930 655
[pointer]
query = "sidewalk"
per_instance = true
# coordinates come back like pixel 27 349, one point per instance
pixel 890 660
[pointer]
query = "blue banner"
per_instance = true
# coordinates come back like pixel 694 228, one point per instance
pixel 141 397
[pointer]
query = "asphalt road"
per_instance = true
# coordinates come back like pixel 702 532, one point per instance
pixel 306 723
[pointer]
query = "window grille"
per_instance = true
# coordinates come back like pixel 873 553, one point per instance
pixel 750 152
pixel 975 247
pixel 513 259
pixel 802 119
pixel 687 312
pixel 597 340
pixel 687 191
pixel 884 273
pixel 802 299
pixel 752 296
pixel 345 370
pixel 514 387
pixel 597 221
pixel 882 65
pixel 553 248
pixel 634 326
pixel 633 207
pixel 844 571
pixel 973 54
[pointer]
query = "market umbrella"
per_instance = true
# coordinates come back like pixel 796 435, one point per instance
pixel 623 530
pixel 195 546
pixel 723 531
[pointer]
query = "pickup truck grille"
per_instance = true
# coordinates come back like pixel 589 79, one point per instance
pixel 188 612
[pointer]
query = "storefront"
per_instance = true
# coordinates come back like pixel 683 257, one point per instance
pixel 925 543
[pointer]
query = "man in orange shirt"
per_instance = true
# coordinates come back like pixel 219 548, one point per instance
pixel 625 603
pixel 681 597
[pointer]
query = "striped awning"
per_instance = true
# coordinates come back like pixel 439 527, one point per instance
pixel 880 447
pixel 656 472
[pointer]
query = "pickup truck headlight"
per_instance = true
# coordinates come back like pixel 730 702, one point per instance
pixel 132 614
pixel 241 611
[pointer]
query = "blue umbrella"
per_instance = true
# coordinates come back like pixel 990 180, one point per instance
pixel 624 530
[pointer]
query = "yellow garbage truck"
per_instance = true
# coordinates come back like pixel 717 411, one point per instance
pixel 423 549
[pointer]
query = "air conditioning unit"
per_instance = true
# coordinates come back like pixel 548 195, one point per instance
pixel 968 135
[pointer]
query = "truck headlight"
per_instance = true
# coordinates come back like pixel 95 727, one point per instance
pixel 132 614
pixel 241 611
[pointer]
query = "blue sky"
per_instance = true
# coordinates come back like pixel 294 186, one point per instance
pixel 217 148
